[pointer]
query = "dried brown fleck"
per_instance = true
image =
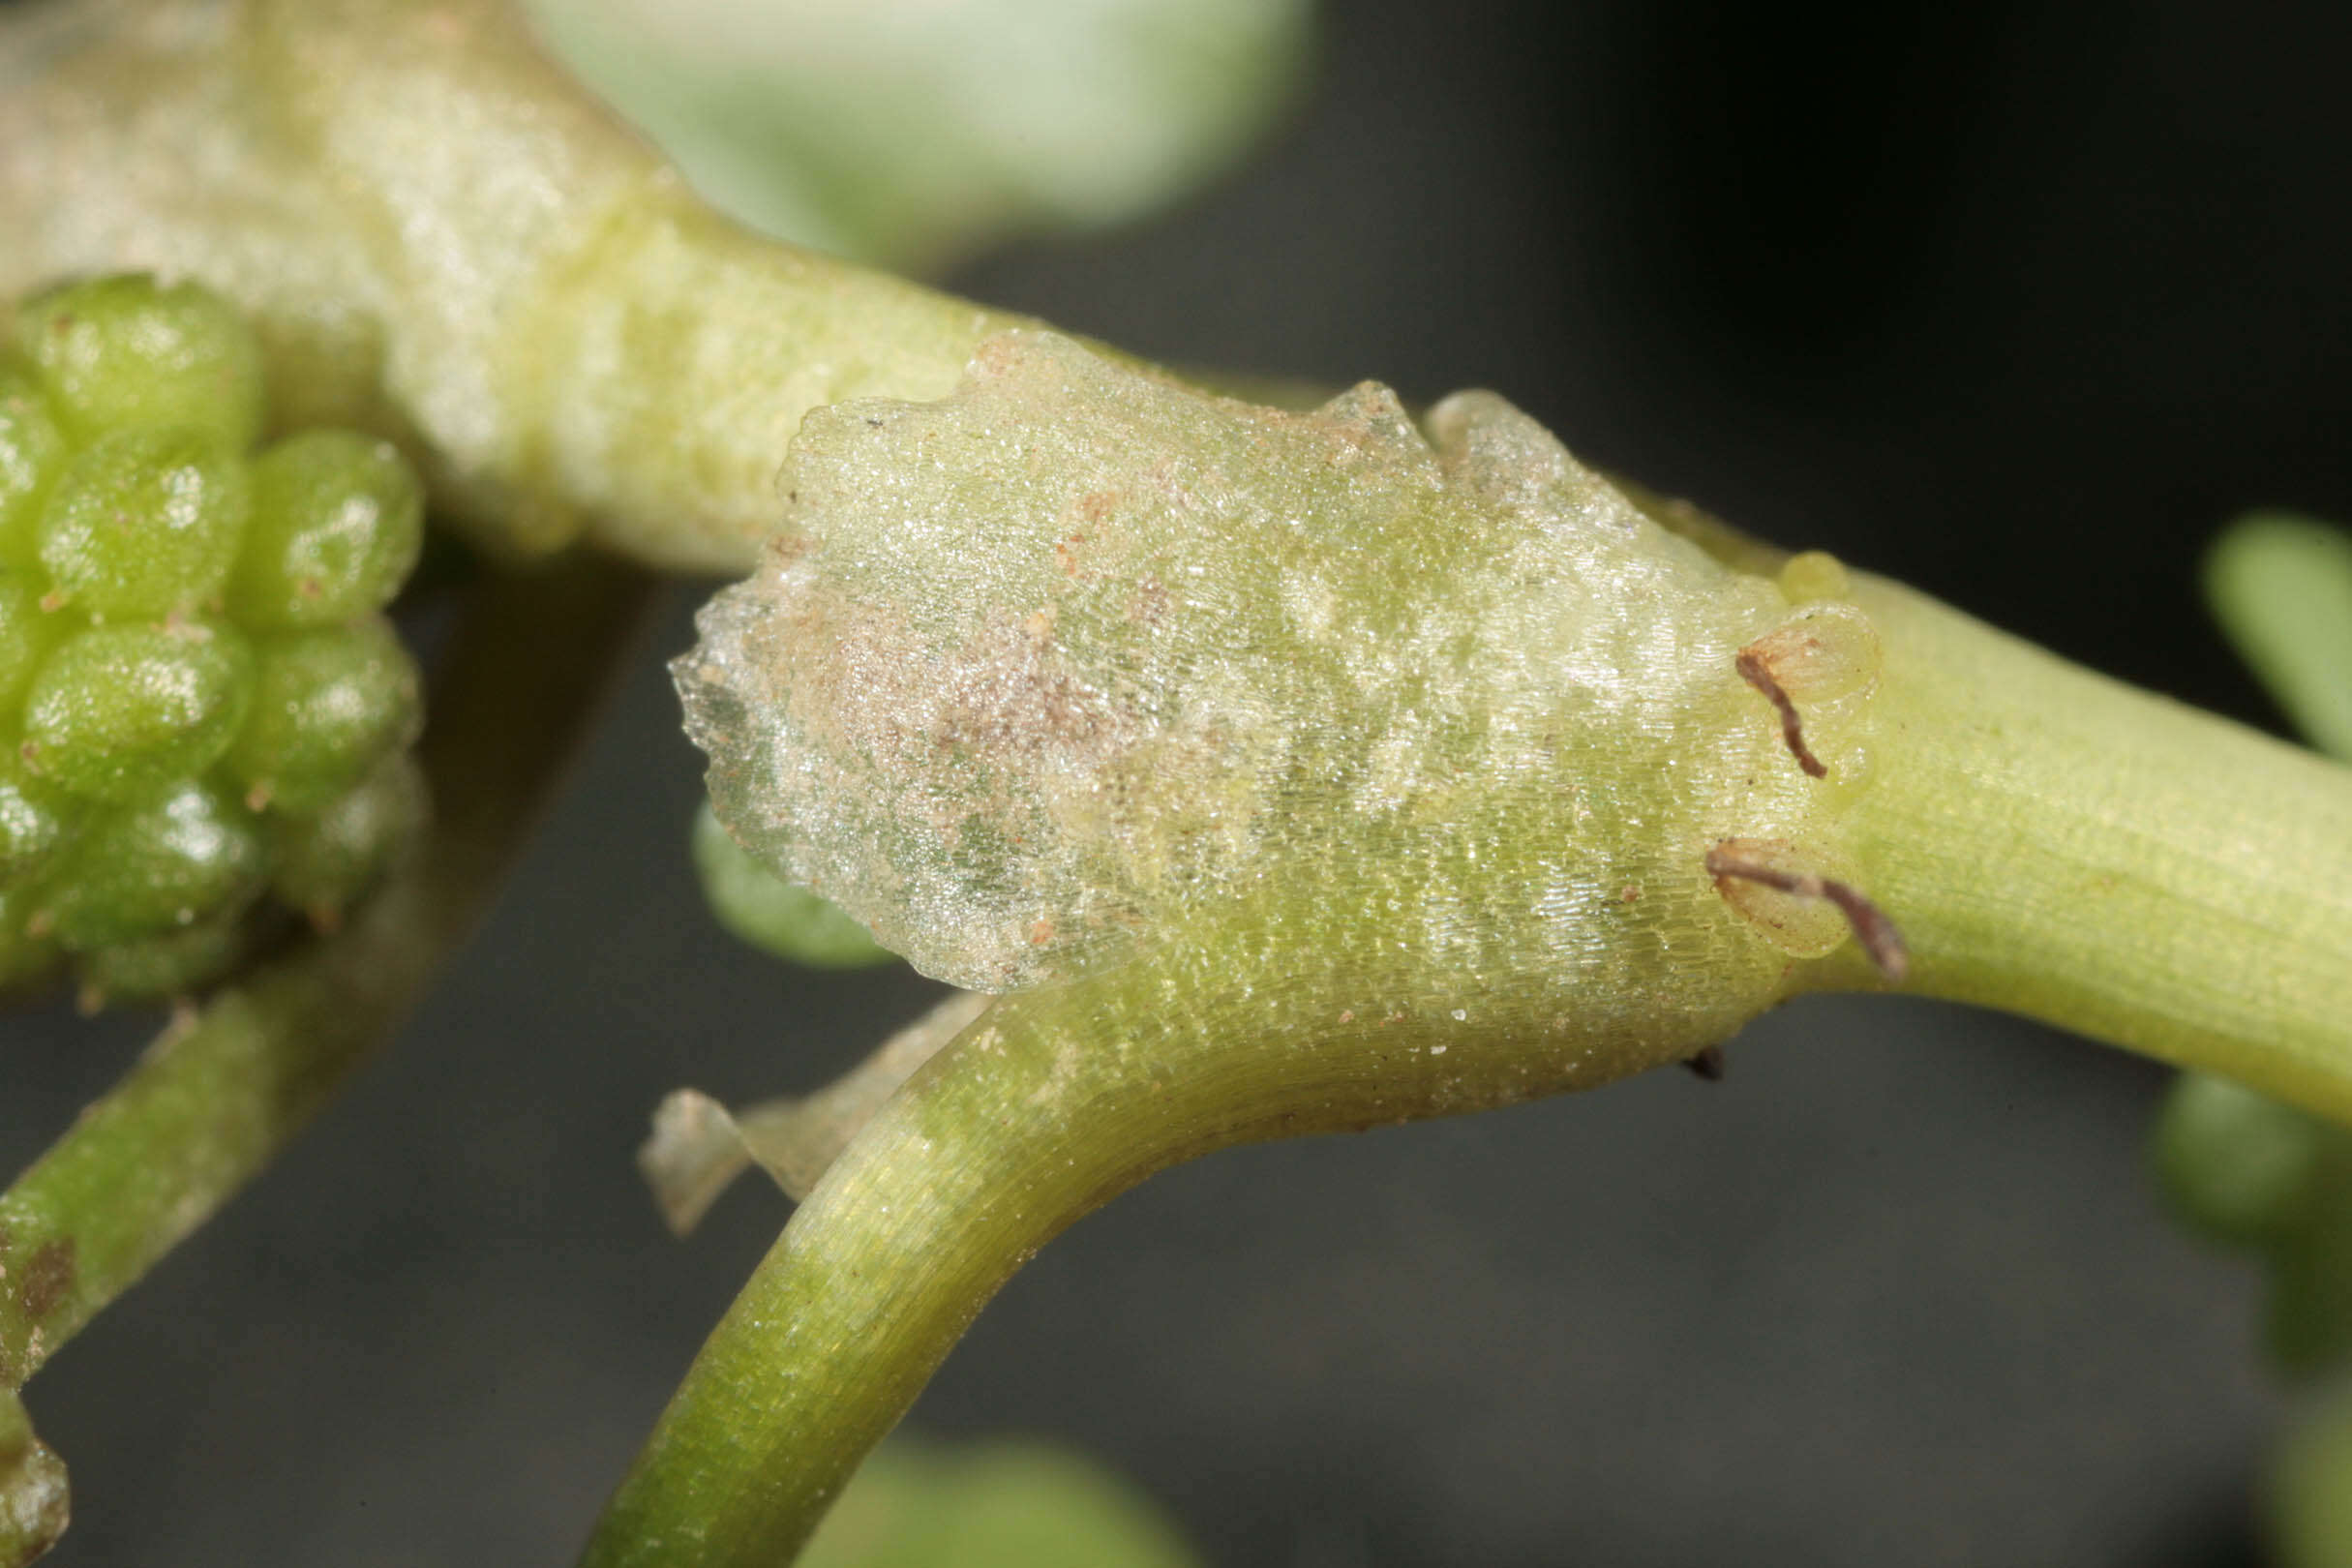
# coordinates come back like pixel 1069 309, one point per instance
pixel 49 1275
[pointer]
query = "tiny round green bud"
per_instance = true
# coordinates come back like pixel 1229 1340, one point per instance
pixel 327 861
pixel 119 712
pixel 328 705
pixel 772 913
pixel 192 854
pixel 32 825
pixel 146 523
pixel 27 633
pixel 338 521
pixel 126 351
pixel 25 953
pixel 172 964
pixel 32 455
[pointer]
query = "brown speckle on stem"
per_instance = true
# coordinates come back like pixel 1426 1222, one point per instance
pixel 1871 927
pixel 1756 672
pixel 49 1275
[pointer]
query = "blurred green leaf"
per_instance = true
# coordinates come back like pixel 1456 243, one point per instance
pixel 2308 1501
pixel 2237 1166
pixel 2281 587
pixel 1000 1504
pixel 911 134
pixel 2248 1171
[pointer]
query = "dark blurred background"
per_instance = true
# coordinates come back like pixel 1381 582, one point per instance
pixel 2016 302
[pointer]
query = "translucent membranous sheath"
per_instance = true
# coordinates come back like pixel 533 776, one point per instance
pixel 1304 772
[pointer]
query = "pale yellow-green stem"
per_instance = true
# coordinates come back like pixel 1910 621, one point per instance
pixel 445 240
pixel 2059 844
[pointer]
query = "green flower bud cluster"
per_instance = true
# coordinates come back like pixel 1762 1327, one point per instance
pixel 200 703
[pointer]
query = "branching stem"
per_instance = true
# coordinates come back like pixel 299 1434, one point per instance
pixel 2050 841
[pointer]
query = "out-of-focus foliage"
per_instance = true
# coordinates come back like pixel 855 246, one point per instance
pixel 997 1505
pixel 914 132
pixel 2282 586
pixel 2247 1170
pixel 2238 1167
pixel 2309 1495
pixel 33 1502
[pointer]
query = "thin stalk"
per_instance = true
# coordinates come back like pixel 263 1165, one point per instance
pixel 215 1098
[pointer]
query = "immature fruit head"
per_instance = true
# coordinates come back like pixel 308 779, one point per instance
pixel 32 454
pixel 199 697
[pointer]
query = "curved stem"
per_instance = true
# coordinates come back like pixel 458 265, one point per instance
pixel 1049 1105
pixel 990 1152
pixel 213 1099
pixel 2050 841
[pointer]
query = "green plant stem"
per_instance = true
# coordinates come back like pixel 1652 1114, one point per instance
pixel 2051 842
pixel 1047 1108
pixel 445 240
pixel 218 1094
pixel 2057 844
